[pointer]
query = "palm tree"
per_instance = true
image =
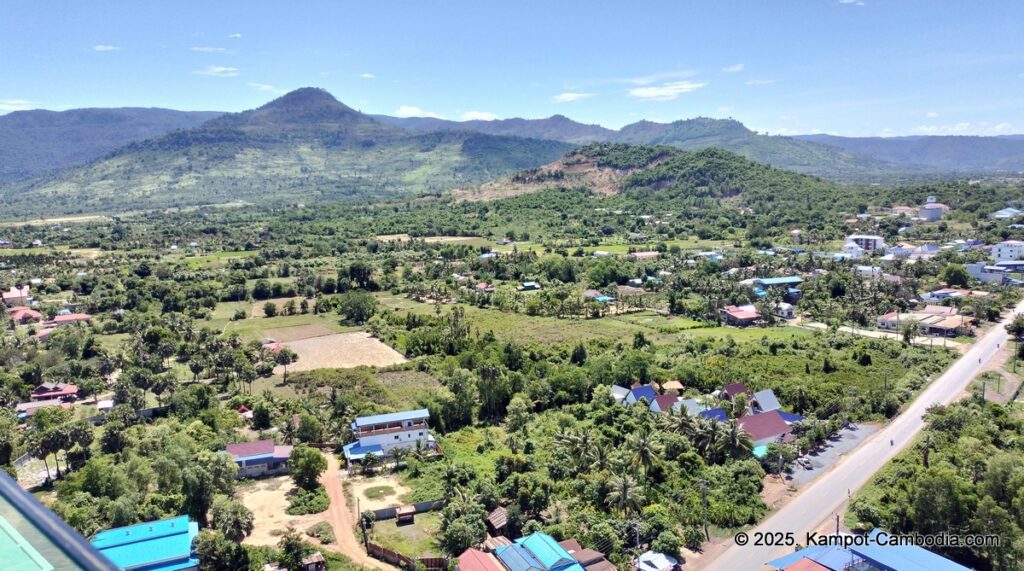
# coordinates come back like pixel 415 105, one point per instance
pixel 624 495
pixel 600 456
pixel 678 420
pixel 644 450
pixel 737 442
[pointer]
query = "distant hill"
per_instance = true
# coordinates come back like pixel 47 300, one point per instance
pixel 305 146
pixel 947 153
pixel 688 134
pixel 38 141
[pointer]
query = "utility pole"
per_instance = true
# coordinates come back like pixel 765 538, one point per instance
pixel 704 499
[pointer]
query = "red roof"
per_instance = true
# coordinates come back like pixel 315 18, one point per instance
pixel 665 402
pixel 739 312
pixel 733 389
pixel 273 347
pixel 54 391
pixel 476 560
pixel 258 448
pixel 22 313
pixel 764 425
pixel 71 318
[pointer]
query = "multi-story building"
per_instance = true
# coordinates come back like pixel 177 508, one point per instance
pixel 1008 251
pixel 381 433
pixel 868 242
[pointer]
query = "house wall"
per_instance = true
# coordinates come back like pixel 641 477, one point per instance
pixel 404 439
pixel 266 469
pixel 1007 252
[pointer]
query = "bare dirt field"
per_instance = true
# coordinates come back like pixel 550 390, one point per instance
pixel 428 239
pixel 366 502
pixel 297 333
pixel 267 499
pixel 342 350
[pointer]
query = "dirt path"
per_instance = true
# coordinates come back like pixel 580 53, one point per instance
pixel 342 520
pixel 921 340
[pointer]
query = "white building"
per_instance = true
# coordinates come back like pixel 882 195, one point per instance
pixel 852 251
pixel 869 242
pixel 1008 251
pixel 380 434
pixel 932 210
pixel 1007 214
pixel 990 274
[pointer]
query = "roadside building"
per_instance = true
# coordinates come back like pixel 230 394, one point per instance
pixel 1008 250
pixel 59 391
pixel 164 545
pixel 259 458
pixel 765 428
pixel 931 210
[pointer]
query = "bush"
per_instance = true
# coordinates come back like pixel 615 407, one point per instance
pixel 322 532
pixel 303 502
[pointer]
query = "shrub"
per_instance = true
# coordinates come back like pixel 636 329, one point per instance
pixel 303 502
pixel 322 532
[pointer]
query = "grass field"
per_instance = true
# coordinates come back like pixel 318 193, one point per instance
pixel 413 540
pixel 217 259
pixel 257 327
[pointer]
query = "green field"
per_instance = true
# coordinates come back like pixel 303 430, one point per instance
pixel 256 327
pixel 413 540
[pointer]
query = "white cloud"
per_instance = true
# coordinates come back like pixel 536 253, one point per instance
pixel 478 116
pixel 570 96
pixel 217 71
pixel 267 87
pixel 658 77
pixel 234 36
pixel 208 50
pixel 8 105
pixel 104 48
pixel 981 128
pixel 761 82
pixel 852 2
pixel 733 68
pixel 367 76
pixel 931 114
pixel 666 91
pixel 413 111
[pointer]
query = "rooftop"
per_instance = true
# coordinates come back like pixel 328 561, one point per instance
pixel 420 414
pixel 164 545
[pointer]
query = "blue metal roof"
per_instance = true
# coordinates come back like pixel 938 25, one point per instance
pixel 715 414
pixel 810 552
pixel 354 451
pixel 904 557
pixel 164 545
pixel 419 414
pixel 515 557
pixel 551 555
pixel 791 417
pixel 645 392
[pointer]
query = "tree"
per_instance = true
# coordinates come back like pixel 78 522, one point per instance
pixel 668 543
pixel 285 357
pixel 232 519
pixel 955 275
pixel 624 495
pixel 216 552
pixel 269 309
pixel 293 550
pixel 357 307
pixel 910 329
pixel 306 466
pixel 310 430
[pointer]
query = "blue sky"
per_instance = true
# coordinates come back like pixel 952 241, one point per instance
pixel 850 67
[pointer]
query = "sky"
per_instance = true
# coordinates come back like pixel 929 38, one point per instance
pixel 846 67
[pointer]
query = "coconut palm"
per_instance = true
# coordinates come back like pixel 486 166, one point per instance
pixel 644 450
pixel 736 442
pixel 624 495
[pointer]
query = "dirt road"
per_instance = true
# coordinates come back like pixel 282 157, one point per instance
pixel 343 521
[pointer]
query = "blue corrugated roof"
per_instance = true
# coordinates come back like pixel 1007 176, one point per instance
pixel 790 417
pixel 904 557
pixel 516 558
pixel 781 281
pixel 391 417
pixel 354 451
pixel 715 414
pixel 164 545
pixel 552 556
pixel 644 392
pixel 809 552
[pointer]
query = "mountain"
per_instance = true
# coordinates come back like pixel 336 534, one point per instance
pixel 38 141
pixel 305 146
pixel 690 134
pixel 947 153
pixel 556 127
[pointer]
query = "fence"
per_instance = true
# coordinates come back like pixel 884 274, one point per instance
pixel 392 513
pixel 396 558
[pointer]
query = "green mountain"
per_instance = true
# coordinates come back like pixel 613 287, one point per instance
pixel 556 127
pixel 36 142
pixel 946 153
pixel 305 146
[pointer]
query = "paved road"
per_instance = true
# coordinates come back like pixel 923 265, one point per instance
pixel 819 502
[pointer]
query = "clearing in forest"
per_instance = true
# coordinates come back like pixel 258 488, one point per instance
pixel 342 350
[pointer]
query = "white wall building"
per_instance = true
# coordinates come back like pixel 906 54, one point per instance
pixel 1008 251
pixel 869 242
pixel 380 434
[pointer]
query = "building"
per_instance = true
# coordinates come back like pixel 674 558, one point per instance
pixel 654 561
pixel 784 310
pixel 529 286
pixel 765 401
pixel 164 545
pixel 850 251
pixel 930 322
pixel 589 559
pixel 537 551
pixel 868 242
pixel 663 403
pixel 641 392
pixel 874 555
pixel 381 433
pixel 788 285
pixel 931 210
pixel 59 391
pixel 17 296
pixel 765 428
pixel 1007 214
pixel 259 458
pixel 312 562
pixel 691 406
pixel 868 272
pixel 476 560
pixel 1002 252
pixel 68 319
pixel 992 274
pixel 484 287
pixel 619 393
pixel 733 390
pixel 644 255
pixel 24 315
pixel 740 316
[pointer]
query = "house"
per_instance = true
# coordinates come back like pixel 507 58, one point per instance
pixel 405 514
pixel 600 254
pixel 619 393
pixel 663 403
pixel 635 282
pixel 313 562
pixel 711 256
pixel 529 286
pixel 27 409
pixel 787 284
pixel 1007 214
pixel 868 272
pixel 653 561
pixel 907 211
pixel 381 433
pixel 716 414
pixel 590 559
pixel 732 390
pixel 1001 252
pixel 483 287
pixel 591 293
pixel 24 315
pixel 931 210
pixel 869 242
pixel 740 316
pixel 537 551
pixel 933 320
pixel 476 560
pixel 784 310
pixel 900 250
pixel 692 407
pixel 17 296
pixel 991 274
pixel 764 428
pixel 244 412
pixel 60 391
pixel 851 251
pixel 259 458
pixel 765 401
pixel 488 255
pixel 673 386
pixel 644 255
pixel 875 553
pixel 641 392
pixel 497 520
pixel 164 545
